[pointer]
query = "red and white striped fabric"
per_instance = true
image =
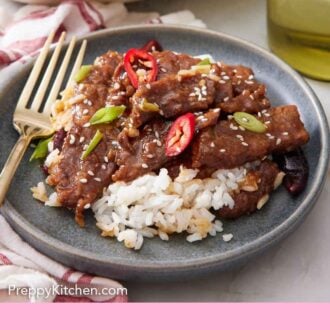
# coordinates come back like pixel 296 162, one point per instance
pixel 23 31
pixel 24 267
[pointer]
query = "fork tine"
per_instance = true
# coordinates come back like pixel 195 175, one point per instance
pixel 29 85
pixel 59 78
pixel 78 62
pixel 47 76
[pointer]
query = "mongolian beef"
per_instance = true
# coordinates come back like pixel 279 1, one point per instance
pixel 157 142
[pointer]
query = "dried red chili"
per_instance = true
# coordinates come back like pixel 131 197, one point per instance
pixel 132 56
pixel 180 135
pixel 152 45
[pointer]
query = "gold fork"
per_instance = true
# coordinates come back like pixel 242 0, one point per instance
pixel 31 123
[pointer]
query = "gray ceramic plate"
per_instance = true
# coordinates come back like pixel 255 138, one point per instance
pixel 54 232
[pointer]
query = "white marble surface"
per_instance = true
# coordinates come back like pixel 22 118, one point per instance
pixel 299 268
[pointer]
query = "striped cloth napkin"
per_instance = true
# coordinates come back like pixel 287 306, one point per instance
pixel 23 30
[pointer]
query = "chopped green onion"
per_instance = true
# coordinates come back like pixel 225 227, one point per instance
pixel 83 73
pixel 93 144
pixel 149 107
pixel 206 61
pixel 202 68
pixel 249 122
pixel 107 114
pixel 41 149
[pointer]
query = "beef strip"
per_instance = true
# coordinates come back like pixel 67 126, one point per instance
pixel 103 69
pixel 226 146
pixel 246 93
pixel 143 154
pixel 246 202
pixel 67 174
pixel 79 182
pixel 171 63
pixel 175 95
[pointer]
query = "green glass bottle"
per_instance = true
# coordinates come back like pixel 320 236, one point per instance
pixel 299 33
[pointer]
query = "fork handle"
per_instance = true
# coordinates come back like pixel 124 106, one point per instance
pixel 11 165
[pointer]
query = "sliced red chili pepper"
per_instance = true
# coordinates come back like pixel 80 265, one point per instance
pixel 152 45
pixel 180 135
pixel 132 56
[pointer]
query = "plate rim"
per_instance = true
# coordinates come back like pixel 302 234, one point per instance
pixel 52 244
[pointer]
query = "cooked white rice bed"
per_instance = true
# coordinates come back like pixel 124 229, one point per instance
pixel 155 205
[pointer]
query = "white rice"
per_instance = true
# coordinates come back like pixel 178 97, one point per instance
pixel 156 205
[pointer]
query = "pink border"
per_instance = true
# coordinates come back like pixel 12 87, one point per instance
pixel 165 316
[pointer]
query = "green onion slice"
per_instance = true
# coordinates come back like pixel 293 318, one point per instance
pixel 83 73
pixel 93 144
pixel 41 149
pixel 107 114
pixel 206 61
pixel 149 107
pixel 249 122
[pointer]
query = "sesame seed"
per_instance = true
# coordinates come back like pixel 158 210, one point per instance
pixel 106 159
pixel 163 69
pixel 72 139
pixel 251 97
pixel 157 134
pixel 116 85
pixel 249 82
pixel 278 141
pixel 87 125
pixel 85 147
pixel 82 139
pixel 83 180
pixel 239 76
pixel 285 133
pixel 148 86
pixel 192 94
pixel 97 179
pixel 115 97
pixel 85 112
pixel 222 150
pixel 159 144
pixel 222 82
pixel 87 206
pixel 233 127
pixel 212 144
pixel 251 77
pixel 216 110
pixel 230 117
pixel 259 114
pixel 225 78
pixel 226 99
pixel 91 173
pixel 150 156
pixel 245 144
pixel 144 165
pixel 241 128
pixel 223 73
pixel 103 167
pixel 267 122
